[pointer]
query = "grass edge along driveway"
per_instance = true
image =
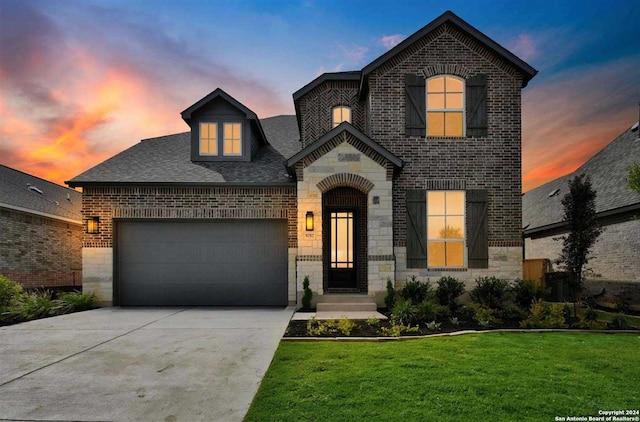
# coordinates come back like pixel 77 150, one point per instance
pixel 496 376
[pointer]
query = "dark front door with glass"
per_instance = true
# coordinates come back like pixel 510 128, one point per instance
pixel 342 249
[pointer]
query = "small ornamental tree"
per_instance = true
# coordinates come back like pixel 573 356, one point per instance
pixel 633 179
pixel 580 216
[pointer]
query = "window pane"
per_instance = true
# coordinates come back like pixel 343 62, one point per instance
pixel 453 124
pixel 455 254
pixel 435 101
pixel 435 124
pixel 336 116
pixel 435 85
pixel 341 239
pixel 435 228
pixel 204 130
pixel 455 227
pixel 346 114
pixel 455 203
pixel 435 254
pixel 228 131
pixel 454 85
pixel 454 100
pixel 435 203
pixel 204 146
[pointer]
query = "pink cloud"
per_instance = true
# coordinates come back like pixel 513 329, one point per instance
pixel 524 47
pixel 390 41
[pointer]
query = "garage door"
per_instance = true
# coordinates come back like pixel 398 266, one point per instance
pixel 212 263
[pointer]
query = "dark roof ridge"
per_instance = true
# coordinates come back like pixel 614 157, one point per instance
pixel 164 136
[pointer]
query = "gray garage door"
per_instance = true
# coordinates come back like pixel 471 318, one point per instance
pixel 212 263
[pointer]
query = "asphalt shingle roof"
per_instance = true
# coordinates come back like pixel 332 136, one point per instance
pixel 607 170
pixel 54 200
pixel 167 159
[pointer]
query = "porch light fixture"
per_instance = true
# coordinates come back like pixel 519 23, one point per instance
pixel 93 225
pixel 309 221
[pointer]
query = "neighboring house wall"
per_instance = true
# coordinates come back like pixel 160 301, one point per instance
pixel 615 255
pixel 109 203
pixel 37 251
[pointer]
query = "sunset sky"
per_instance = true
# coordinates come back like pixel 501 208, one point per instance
pixel 82 80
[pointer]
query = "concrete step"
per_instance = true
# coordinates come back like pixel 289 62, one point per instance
pixel 346 307
pixel 344 298
pixel 320 316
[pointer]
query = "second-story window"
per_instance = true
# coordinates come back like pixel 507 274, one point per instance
pixel 232 139
pixel 341 114
pixel 208 139
pixel 445 106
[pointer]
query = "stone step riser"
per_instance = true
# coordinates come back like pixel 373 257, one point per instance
pixel 346 307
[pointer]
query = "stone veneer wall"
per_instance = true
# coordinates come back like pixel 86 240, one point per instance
pixel 379 216
pixel 37 251
pixel 615 255
pixel 109 203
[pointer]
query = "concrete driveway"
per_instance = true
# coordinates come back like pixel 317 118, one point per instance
pixel 133 364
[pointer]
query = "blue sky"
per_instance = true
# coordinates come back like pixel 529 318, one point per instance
pixel 97 76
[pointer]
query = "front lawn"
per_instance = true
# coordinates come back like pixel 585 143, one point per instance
pixel 495 376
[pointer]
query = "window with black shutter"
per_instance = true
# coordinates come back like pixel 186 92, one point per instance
pixel 416 228
pixel 415 107
pixel 477 228
pixel 476 107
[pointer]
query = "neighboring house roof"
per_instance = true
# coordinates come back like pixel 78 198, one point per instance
pixel 24 192
pixel 542 208
pixel 167 160
pixel 219 92
pixel 528 72
pixel 344 127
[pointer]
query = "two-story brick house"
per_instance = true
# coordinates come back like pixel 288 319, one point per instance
pixel 411 165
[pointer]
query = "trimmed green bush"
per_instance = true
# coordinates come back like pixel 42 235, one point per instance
pixel 416 291
pixel 390 298
pixel 448 291
pixel 37 304
pixel 544 315
pixel 491 292
pixel 9 292
pixel 526 292
pixel 403 313
pixel 308 294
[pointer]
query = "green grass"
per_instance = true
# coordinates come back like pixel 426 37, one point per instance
pixel 496 376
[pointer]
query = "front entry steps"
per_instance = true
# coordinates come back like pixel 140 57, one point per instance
pixel 337 306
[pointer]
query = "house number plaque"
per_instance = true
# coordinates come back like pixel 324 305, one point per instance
pixel 348 157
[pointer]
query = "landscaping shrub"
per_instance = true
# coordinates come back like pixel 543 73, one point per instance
pixel 465 313
pixel 390 298
pixel 415 291
pixel 396 330
pixel 76 301
pixel 483 315
pixel 526 292
pixel 544 315
pixel 490 292
pixel 37 304
pixel 513 313
pixel 448 291
pixel 403 313
pixel 618 322
pixel 308 294
pixel 345 326
pixel 428 311
pixel 9 292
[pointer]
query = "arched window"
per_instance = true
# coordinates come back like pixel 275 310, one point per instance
pixel 445 106
pixel 341 114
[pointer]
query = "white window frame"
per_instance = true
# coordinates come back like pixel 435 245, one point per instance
pixel 445 110
pixel 342 119
pixel 464 223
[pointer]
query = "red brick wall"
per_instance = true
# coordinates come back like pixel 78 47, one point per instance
pixel 37 251
pixel 108 203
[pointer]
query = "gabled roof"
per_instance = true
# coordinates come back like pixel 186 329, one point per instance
pixel 24 192
pixel 542 208
pixel 167 160
pixel 344 127
pixel 219 93
pixel 450 17
pixel 353 75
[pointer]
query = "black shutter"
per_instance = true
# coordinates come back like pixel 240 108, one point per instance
pixel 416 228
pixel 477 106
pixel 477 228
pixel 415 106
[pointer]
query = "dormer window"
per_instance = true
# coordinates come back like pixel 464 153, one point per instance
pixel 208 139
pixel 445 106
pixel 232 139
pixel 341 114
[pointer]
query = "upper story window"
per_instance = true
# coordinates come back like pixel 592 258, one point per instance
pixel 341 114
pixel 445 106
pixel 232 139
pixel 445 228
pixel 208 139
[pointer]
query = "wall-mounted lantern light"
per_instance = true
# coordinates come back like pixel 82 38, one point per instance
pixel 309 221
pixel 93 225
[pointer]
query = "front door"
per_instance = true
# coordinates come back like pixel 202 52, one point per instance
pixel 342 259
